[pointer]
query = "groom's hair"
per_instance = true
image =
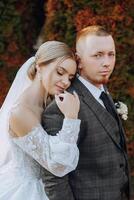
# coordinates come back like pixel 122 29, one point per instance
pixel 92 30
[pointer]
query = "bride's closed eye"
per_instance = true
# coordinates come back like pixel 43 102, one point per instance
pixel 60 71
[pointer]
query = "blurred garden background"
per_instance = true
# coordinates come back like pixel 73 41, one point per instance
pixel 25 24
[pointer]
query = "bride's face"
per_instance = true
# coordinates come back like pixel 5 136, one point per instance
pixel 57 76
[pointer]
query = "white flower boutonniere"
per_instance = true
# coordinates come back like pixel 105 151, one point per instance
pixel 122 110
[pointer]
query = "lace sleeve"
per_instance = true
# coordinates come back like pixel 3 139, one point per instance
pixel 58 154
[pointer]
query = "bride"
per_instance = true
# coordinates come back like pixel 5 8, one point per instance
pixel 25 146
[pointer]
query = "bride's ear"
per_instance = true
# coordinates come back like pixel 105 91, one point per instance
pixel 38 72
pixel 37 68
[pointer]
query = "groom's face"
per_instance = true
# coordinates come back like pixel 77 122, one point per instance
pixel 97 58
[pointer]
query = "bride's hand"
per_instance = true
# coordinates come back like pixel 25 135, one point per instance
pixel 69 104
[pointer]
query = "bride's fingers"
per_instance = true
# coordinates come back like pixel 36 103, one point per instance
pixel 59 98
pixel 65 92
pixel 68 96
pixel 76 95
pixel 56 98
pixel 61 95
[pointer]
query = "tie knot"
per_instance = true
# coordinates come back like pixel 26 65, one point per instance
pixel 103 96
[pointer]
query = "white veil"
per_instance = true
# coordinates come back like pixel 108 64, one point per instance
pixel 20 83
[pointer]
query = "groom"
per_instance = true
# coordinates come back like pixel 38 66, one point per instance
pixel 102 171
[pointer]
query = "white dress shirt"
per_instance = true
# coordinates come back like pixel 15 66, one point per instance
pixel 95 91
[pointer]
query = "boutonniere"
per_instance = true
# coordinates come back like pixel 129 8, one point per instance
pixel 122 110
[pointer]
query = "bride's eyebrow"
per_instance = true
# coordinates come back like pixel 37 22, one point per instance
pixel 61 68
pixel 65 71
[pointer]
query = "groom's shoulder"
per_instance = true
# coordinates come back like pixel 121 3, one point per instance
pixel 51 104
pixel 51 107
pixel 74 85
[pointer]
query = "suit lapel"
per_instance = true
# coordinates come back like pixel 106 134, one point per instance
pixel 119 120
pixel 99 111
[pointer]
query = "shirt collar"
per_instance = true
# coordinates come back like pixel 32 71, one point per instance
pixel 96 92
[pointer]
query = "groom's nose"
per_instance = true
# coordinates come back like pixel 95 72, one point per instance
pixel 106 61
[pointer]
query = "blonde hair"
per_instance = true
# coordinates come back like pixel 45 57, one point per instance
pixel 47 53
pixel 92 30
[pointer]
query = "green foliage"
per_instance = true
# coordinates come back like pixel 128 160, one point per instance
pixel 18 32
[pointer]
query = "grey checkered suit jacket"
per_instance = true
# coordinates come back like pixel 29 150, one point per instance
pixel 102 169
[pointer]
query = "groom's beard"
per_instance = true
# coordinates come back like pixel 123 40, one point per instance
pixel 104 81
pixel 99 81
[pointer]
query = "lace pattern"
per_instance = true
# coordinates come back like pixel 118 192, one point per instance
pixel 58 154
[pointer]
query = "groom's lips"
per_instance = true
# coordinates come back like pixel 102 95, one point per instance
pixel 105 72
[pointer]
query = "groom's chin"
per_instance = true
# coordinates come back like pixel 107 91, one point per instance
pixel 105 81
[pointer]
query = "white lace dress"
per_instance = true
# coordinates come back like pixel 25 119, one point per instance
pixel 59 154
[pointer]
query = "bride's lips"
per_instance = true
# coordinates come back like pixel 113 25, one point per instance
pixel 60 89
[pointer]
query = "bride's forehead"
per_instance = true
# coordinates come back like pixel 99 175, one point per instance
pixel 67 65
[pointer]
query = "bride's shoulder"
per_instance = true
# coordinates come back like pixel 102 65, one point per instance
pixel 21 121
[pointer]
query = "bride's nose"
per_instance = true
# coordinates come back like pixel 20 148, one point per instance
pixel 66 81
